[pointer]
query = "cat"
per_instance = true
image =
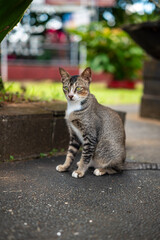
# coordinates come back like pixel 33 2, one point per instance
pixel 98 128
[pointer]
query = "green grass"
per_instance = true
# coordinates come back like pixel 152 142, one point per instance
pixel 46 91
pixel 117 96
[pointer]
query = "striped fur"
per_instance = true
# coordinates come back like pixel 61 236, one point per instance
pixel 98 128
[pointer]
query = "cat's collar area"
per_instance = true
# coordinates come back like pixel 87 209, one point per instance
pixel 84 101
pixel 76 106
pixel 73 106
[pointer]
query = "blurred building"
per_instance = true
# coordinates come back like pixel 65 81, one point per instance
pixel 40 42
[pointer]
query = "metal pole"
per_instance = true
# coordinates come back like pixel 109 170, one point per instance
pixel 74 54
pixel 83 56
pixel 95 9
pixel 4 60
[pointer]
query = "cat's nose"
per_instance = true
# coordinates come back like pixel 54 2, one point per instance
pixel 70 96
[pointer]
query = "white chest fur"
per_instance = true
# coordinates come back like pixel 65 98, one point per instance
pixel 71 107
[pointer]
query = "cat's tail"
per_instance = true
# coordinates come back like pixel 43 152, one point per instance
pixel 141 166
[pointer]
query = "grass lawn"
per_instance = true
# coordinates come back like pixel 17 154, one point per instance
pixel 47 91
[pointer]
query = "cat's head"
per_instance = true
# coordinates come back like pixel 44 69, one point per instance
pixel 76 88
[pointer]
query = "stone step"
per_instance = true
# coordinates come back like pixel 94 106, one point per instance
pixel 29 129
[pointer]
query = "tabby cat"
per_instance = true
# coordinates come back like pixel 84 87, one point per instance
pixel 98 128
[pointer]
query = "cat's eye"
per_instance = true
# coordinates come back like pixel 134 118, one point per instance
pixel 65 88
pixel 79 89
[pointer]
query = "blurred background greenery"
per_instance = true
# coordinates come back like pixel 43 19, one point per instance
pixel 111 50
pixel 47 91
pixel 75 34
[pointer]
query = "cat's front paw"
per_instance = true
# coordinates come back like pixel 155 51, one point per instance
pixel 61 168
pixel 77 174
pixel 78 163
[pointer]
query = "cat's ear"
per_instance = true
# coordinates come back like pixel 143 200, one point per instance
pixel 86 74
pixel 64 74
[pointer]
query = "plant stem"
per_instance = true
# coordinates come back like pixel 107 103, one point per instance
pixel 1 84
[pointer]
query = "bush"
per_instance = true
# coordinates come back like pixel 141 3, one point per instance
pixel 110 50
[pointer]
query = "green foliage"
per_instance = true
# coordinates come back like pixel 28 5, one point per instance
pixel 11 12
pixel 12 92
pixel 54 150
pixel 11 158
pixel 42 155
pixel 5 95
pixel 122 18
pixel 110 50
pixel 1 85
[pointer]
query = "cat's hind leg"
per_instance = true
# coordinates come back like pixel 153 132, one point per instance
pixel 113 170
pixel 100 171
pixel 109 170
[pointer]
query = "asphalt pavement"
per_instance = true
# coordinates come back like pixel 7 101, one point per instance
pixel 37 202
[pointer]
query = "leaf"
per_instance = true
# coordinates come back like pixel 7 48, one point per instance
pixel 42 155
pixel 11 12
pixel 11 157
pixel 111 50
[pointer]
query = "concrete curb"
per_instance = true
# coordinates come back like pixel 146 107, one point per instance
pixel 28 130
